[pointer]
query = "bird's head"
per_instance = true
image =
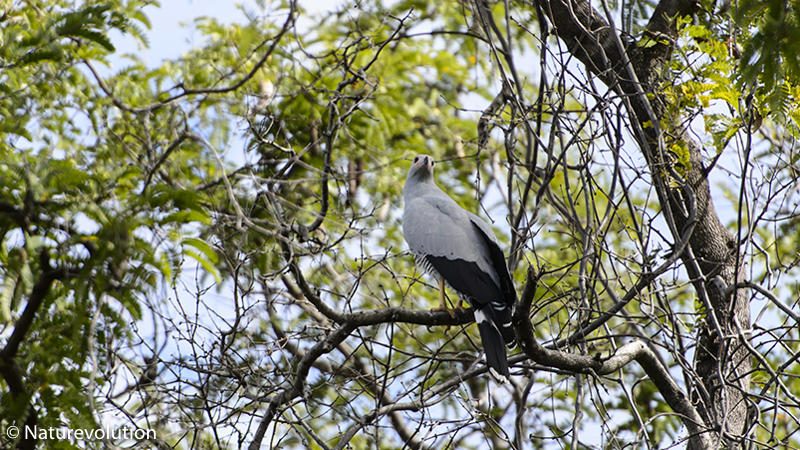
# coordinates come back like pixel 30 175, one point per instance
pixel 421 168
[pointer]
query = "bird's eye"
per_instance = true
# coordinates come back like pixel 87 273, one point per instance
pixel 433 163
pixel 416 158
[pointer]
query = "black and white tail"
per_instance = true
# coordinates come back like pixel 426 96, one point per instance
pixel 502 319
pixel 493 343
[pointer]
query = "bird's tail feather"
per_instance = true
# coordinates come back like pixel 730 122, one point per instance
pixel 493 344
pixel 501 314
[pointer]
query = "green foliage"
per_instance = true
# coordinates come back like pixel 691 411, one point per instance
pixel 92 211
pixel 770 47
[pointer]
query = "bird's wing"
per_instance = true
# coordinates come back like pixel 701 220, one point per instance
pixel 485 227
pixel 497 259
pixel 435 225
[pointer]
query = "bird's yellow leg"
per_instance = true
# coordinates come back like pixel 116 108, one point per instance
pixel 443 300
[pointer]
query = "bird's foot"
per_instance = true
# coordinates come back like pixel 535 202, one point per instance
pixel 451 311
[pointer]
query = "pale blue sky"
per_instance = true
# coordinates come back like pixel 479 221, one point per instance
pixel 173 32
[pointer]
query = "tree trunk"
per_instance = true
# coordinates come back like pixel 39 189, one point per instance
pixel 711 259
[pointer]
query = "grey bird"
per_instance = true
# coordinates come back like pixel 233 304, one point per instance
pixel 458 247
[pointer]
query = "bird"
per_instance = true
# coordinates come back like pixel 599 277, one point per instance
pixel 460 249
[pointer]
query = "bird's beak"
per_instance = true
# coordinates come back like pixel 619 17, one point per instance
pixel 427 162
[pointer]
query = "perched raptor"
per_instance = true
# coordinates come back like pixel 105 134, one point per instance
pixel 459 248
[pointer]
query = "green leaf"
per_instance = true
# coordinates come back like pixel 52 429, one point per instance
pixel 203 247
pixel 12 128
pixel 44 54
pixel 205 255
pixel 6 297
pixel 96 37
pixel 204 263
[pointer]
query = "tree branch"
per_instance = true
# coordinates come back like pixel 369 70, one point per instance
pixel 9 369
pixel 637 351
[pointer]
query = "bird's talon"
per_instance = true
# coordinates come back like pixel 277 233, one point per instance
pixel 452 312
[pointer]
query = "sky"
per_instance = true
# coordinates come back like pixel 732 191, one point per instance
pixel 172 32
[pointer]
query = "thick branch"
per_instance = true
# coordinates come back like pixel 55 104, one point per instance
pixel 378 316
pixel 9 369
pixel 633 351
